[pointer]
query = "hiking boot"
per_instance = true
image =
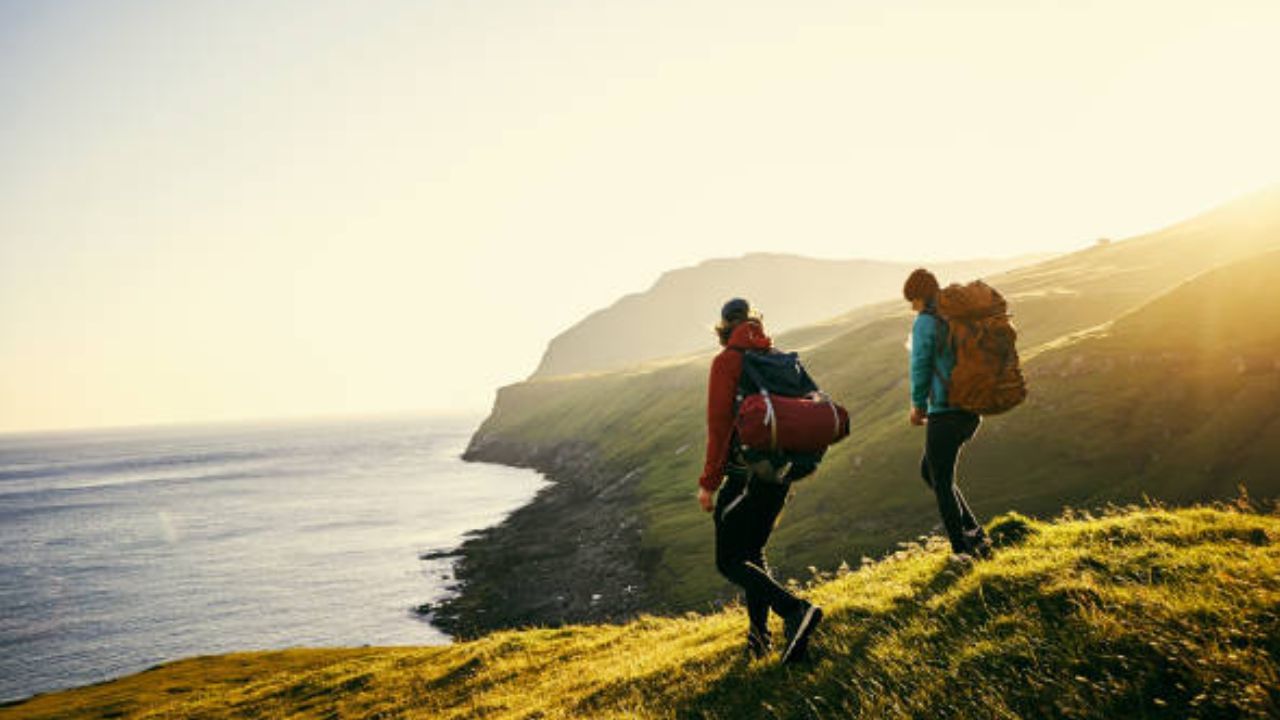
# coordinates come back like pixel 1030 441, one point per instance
pixel 758 645
pixel 799 626
pixel 983 550
pixel 980 546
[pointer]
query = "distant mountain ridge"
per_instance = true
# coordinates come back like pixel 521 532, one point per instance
pixel 675 316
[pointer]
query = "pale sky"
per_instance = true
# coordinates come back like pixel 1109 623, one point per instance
pixel 219 210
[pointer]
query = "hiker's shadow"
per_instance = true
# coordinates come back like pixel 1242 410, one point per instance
pixel 825 684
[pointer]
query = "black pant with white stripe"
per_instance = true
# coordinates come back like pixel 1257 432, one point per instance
pixel 745 516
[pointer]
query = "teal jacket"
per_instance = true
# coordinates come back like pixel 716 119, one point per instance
pixel 932 360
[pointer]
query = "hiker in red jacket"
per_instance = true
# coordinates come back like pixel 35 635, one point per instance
pixel 745 510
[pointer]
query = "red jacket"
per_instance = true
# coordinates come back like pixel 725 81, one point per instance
pixel 721 390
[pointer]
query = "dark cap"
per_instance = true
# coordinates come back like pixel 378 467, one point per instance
pixel 735 309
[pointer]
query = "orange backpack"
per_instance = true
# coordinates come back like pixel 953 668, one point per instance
pixel 987 378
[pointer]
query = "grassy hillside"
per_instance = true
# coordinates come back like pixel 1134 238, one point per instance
pixel 674 317
pixel 1142 613
pixel 1179 398
pixel 1083 435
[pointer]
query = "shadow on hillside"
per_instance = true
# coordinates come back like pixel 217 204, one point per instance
pixel 1138 624
pixel 817 687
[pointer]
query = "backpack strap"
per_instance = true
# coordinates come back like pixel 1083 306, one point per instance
pixel 835 414
pixel 940 347
pixel 770 418
pixel 752 373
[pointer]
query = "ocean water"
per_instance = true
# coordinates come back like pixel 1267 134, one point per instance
pixel 122 549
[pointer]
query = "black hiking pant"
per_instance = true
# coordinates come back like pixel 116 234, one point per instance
pixel 745 515
pixel 945 434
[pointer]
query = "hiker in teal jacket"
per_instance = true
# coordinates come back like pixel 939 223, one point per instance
pixel 932 361
pixel 947 428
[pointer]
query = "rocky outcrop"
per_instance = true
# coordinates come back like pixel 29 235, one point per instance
pixel 571 555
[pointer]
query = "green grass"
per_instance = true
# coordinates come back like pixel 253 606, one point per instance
pixel 1115 412
pixel 1139 613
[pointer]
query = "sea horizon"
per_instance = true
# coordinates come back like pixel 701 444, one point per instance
pixel 460 416
pixel 129 546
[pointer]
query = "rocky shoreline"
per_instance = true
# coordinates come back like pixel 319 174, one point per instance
pixel 572 555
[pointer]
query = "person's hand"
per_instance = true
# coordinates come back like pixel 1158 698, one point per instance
pixel 706 499
pixel 917 416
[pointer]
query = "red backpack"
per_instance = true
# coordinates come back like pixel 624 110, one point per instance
pixel 784 423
